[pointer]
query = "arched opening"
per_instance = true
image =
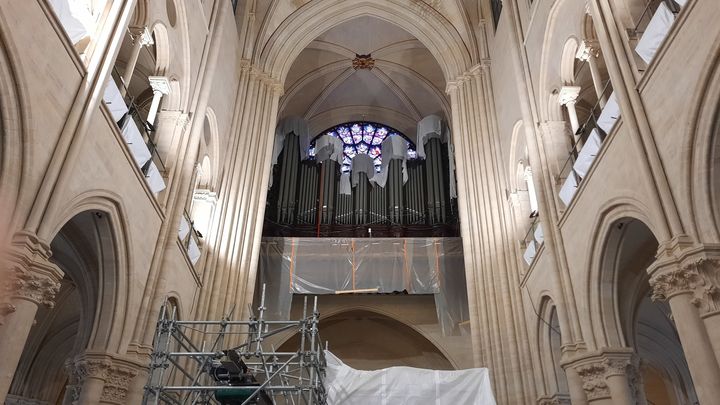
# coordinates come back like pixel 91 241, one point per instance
pixel 82 317
pixel 369 341
pixel 550 345
pixel 632 319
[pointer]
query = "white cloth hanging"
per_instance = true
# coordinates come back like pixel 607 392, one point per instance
pixel 193 251
pixel 74 17
pixel 405 385
pixel 136 142
pixel 154 179
pixel 394 147
pixel 568 189
pixel 362 163
pixel 609 115
pixel 184 228
pixel 530 252
pixel 655 33
pixel 428 128
pixel 588 153
pixel 538 234
pixel 328 147
pixel 114 100
pixel 345 186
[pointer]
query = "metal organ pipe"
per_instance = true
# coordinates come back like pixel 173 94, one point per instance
pixel 361 199
pixel 287 187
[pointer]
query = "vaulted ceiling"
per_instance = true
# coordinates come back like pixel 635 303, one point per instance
pixel 405 84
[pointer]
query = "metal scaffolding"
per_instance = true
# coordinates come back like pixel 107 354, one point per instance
pixel 224 362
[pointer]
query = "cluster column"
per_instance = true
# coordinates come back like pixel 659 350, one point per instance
pixel 31 281
pixel 611 377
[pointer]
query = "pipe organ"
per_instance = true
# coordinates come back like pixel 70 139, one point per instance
pixel 313 197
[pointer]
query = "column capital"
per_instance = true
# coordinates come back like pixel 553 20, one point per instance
pixel 587 49
pixel 141 35
pixel 596 367
pixel 569 94
pixel 682 268
pixel 116 375
pixel 160 84
pixel 31 275
pixel 557 399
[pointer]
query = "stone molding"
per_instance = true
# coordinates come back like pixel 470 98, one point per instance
pixel 700 277
pixel 594 370
pixel 556 399
pixel 115 374
pixel 18 400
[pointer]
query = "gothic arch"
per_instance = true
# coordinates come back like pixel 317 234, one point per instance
pixel 311 20
pixel 110 325
pixel 702 151
pixel 549 344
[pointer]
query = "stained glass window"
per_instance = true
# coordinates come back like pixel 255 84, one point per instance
pixel 362 138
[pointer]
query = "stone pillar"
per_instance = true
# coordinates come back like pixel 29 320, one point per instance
pixel 589 51
pixel 575 387
pixel 141 37
pixel 568 98
pixel 160 86
pixel 611 377
pixel 99 378
pixel 687 287
pixel 31 280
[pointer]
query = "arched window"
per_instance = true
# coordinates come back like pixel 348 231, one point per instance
pixel 362 138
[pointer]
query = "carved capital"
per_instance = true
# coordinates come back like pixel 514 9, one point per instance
pixel 117 384
pixel 700 277
pixel 29 274
pixel 34 287
pixel 593 378
pixel 557 399
pixel 588 49
pixel 160 84
pixel 568 95
pixel 116 376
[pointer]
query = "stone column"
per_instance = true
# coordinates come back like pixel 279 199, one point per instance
pixel 684 287
pixel 568 98
pixel 31 280
pixel 160 86
pixel 611 377
pixel 99 378
pixel 141 37
pixel 589 51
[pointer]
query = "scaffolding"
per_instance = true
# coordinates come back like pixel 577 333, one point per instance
pixel 224 362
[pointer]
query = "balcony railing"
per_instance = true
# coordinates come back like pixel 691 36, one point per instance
pixel 589 139
pixel 139 135
pixel 652 27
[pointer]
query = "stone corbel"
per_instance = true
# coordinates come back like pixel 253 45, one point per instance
pixel 29 273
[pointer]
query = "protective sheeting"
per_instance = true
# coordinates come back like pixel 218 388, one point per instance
pixel 193 251
pixel 154 178
pixel 328 147
pixel 681 3
pixel 288 125
pixel 135 141
pixel 588 153
pixel 451 168
pixel 184 228
pixel 362 163
pixel 114 101
pixel 329 265
pixel 538 235
pixel 609 115
pixel 530 252
pixel 405 385
pixel 75 18
pixel 655 33
pixel 568 189
pixel 393 147
pixel 428 128
pixel 345 186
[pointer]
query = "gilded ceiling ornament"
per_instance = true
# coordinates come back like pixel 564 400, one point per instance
pixel 363 62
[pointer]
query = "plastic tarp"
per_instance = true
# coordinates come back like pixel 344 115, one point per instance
pixel 135 141
pixel 329 265
pixel 568 189
pixel 393 147
pixel 588 153
pixel 362 163
pixel 114 101
pixel 74 17
pixel 538 235
pixel 530 252
pixel 609 115
pixel 193 251
pixel 405 385
pixel 184 228
pixel 428 128
pixel 154 179
pixel 681 3
pixel 655 33
pixel 328 147
pixel 345 186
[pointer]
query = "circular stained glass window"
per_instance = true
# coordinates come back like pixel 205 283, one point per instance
pixel 362 138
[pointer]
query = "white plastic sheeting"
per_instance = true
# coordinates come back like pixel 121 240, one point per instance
pixel 393 147
pixel 328 265
pixel 75 17
pixel 530 252
pixel 609 115
pixel 362 163
pixel 114 101
pixel 655 33
pixel 588 153
pixel 135 141
pixel 329 147
pixel 405 385
pixel 154 178
pixel 428 128
pixel 568 189
pixel 538 234
pixel 345 186
pixel 184 228
pixel 193 251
